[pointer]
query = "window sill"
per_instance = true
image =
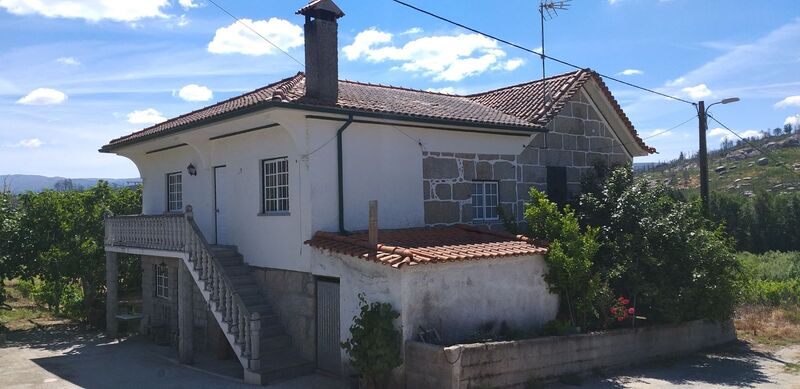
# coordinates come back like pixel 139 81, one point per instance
pixel 279 213
pixel 485 221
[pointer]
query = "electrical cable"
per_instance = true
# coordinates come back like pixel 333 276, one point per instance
pixel 512 44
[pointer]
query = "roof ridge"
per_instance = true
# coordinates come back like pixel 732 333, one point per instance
pixel 176 118
pixel 575 72
pixel 402 88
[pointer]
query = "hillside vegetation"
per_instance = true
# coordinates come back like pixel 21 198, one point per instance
pixel 739 169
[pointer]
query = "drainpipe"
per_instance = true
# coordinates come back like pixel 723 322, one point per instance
pixel 341 172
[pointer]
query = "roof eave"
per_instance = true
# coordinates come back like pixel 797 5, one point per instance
pixel 486 127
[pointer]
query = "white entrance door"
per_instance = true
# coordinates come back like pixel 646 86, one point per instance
pixel 221 186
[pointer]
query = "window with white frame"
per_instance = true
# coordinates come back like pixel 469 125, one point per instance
pixel 275 185
pixel 161 280
pixel 484 200
pixel 174 192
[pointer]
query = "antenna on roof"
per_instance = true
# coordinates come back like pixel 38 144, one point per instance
pixel 549 8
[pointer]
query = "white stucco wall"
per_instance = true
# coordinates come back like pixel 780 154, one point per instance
pixel 381 162
pixel 454 298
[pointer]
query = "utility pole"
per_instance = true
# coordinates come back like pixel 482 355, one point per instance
pixel 702 155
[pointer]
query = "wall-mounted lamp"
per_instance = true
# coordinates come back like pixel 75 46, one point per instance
pixel 191 169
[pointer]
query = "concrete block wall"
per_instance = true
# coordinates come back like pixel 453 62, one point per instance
pixel 292 295
pixel 159 311
pixel 578 137
pixel 515 364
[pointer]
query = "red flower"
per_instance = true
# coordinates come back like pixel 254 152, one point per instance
pixel 613 310
pixel 621 299
pixel 625 301
pixel 620 318
pixel 631 311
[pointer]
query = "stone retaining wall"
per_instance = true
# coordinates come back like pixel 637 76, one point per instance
pixel 292 295
pixel 578 136
pixel 514 364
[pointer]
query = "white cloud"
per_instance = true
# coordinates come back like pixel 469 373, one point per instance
pixel 697 92
pixel 31 143
pixel 43 96
pixel 676 82
pixel 788 102
pixel 512 64
pixel 194 92
pixel 183 21
pixel 69 61
pixel 412 31
pixel 237 38
pixel 91 10
pixel 725 134
pixel 146 116
pixel 188 4
pixel 793 120
pixel 444 57
pixel 631 72
pixel 448 90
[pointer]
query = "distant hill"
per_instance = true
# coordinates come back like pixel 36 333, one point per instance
pixel 21 183
pixel 739 169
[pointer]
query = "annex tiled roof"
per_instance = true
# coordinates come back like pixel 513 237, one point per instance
pixel 520 106
pixel 416 246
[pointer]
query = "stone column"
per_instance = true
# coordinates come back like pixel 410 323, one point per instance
pixel 112 298
pixel 185 314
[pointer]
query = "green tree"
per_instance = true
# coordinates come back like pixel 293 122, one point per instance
pixel 569 257
pixel 375 344
pixel 9 218
pixel 660 250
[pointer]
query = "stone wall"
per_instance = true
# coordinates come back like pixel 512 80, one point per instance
pixel 292 295
pixel 159 311
pixel 578 137
pixel 515 364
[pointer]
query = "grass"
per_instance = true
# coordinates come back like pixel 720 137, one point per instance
pixel 769 326
pixel 24 313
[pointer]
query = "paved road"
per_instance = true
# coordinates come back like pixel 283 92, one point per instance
pixel 71 357
pixel 735 366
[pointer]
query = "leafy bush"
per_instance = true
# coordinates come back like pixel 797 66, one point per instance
pixel 375 344
pixel 569 257
pixel 773 278
pixel 61 299
pixel 658 249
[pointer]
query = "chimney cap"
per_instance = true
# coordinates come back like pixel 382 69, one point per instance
pixel 317 7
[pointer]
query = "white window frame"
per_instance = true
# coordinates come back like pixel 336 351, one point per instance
pixel 485 200
pixel 175 192
pixel 275 186
pixel 161 280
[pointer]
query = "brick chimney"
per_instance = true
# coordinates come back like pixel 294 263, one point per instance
pixel 322 51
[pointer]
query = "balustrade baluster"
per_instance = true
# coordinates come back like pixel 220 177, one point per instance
pixel 246 335
pixel 229 315
pixel 240 326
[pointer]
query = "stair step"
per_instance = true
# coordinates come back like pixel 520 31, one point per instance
pixel 249 290
pixel 242 280
pixel 269 343
pixel 263 309
pixel 290 364
pixel 231 260
pixel 239 270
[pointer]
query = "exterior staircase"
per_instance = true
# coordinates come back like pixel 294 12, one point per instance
pixel 278 359
pixel 226 282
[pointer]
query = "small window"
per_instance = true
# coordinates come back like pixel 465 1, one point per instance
pixel 161 280
pixel 275 189
pixel 174 192
pixel 484 200
pixel 557 184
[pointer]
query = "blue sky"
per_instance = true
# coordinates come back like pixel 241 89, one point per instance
pixel 75 74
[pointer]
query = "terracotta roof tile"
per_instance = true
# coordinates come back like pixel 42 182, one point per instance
pixel 427 245
pixel 522 106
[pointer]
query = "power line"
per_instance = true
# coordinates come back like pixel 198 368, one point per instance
pixel 512 44
pixel 653 135
pixel 751 144
pixel 257 33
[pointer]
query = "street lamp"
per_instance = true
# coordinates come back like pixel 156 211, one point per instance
pixel 702 155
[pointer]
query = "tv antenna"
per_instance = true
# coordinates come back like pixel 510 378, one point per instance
pixel 548 9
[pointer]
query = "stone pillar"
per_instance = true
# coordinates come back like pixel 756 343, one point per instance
pixel 112 298
pixel 185 314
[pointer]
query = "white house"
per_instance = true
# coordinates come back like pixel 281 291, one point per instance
pixel 255 208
